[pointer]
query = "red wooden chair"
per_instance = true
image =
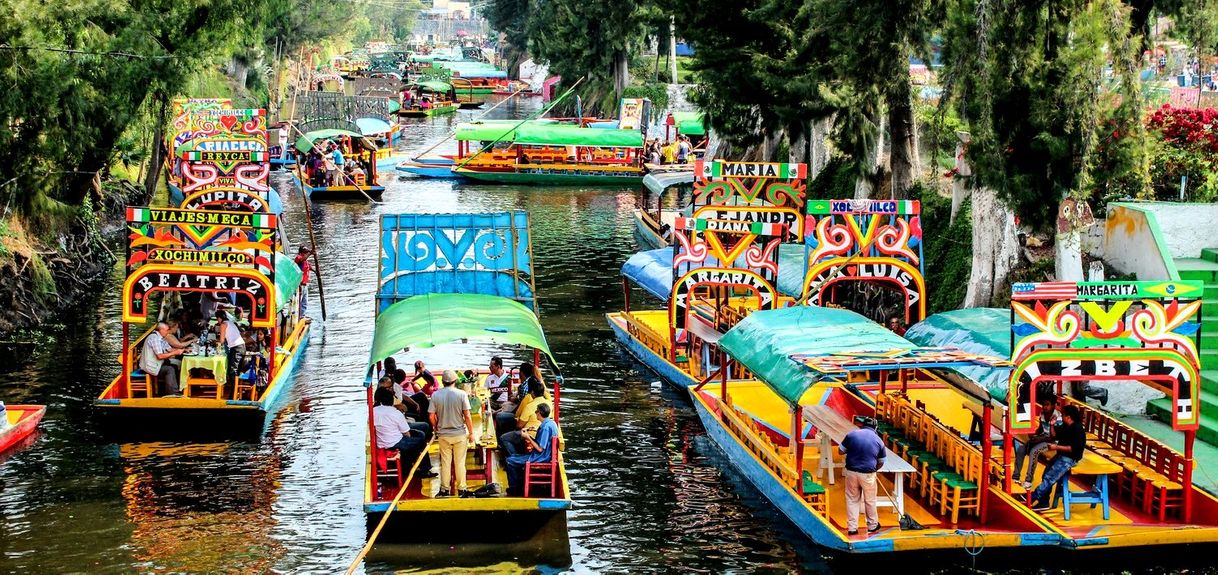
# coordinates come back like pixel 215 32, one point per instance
pixel 383 459
pixel 543 474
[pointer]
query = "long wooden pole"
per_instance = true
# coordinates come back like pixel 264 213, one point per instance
pixel 308 211
pixel 518 124
pixel 476 118
pixel 392 505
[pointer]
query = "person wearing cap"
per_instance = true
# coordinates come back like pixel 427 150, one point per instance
pixel 864 457
pixel 454 430
pixel 302 261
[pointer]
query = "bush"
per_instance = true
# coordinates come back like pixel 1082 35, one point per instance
pixel 836 181
pixel 947 250
pixel 657 93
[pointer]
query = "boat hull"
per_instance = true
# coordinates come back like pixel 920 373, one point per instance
pixel 346 192
pixel 22 425
pixel 550 179
pixel 426 170
pixel 646 234
pixel 437 111
pixel 669 372
pixel 195 417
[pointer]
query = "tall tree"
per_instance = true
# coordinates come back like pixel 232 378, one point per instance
pixel 589 39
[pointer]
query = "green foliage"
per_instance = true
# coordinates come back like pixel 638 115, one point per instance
pixel 835 181
pixel 657 93
pixel 947 251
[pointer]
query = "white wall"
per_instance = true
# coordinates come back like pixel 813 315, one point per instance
pixel 1130 245
pixel 1186 227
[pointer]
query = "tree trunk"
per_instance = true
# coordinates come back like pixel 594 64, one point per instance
pixel 621 73
pixel 995 250
pixel 903 159
pixel 797 151
pixel 819 151
pixel 869 165
pixel 157 155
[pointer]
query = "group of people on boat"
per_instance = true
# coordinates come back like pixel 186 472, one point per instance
pixel 326 166
pixel 411 411
pixel 219 328
pixel 679 151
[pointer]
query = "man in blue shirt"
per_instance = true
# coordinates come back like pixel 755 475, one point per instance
pixel 540 450
pixel 864 456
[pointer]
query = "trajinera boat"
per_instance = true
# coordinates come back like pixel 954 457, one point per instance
pixel 471 138
pixel 778 383
pixel 357 151
pixel 428 98
pixel 471 292
pixel 652 222
pixel 559 154
pixel 20 422
pixel 221 248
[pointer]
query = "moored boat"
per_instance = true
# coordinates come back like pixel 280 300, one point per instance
pixel 424 301
pixel 356 151
pixel 560 155
pixel 426 98
pixel 221 250
pixel 22 421
pixel 652 223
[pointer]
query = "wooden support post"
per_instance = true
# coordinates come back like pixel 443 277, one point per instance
pixel 987 450
pixel 904 375
pixel 626 292
pixel 723 377
pixel 884 381
pixel 1189 437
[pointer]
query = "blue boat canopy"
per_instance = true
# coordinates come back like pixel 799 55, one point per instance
pixel 371 126
pixel 652 270
pixel 985 331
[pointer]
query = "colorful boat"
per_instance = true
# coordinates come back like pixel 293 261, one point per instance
pixel 423 301
pixel 222 245
pixel 355 148
pixel 439 96
pixel 22 421
pixel 563 155
pixel 471 138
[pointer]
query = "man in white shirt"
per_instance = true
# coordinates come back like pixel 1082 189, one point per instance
pixel 393 432
pixel 152 359
pixel 498 383
pixel 230 336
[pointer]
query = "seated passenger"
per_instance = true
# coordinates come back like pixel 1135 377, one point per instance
pixel 1050 419
pixel 409 389
pixel 512 426
pixel 394 432
pixel 1068 447
pixel 388 366
pixel 429 381
pixel 407 406
pixel 152 360
pixel 498 383
pixel 539 450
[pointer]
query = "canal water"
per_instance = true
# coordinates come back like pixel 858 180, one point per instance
pixel 651 494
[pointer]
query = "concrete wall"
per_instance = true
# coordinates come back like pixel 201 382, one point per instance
pixel 1131 244
pixel 1186 228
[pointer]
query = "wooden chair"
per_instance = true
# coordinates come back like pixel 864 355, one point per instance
pixel 814 493
pixel 543 474
pixel 140 382
pixel 384 458
pixel 962 493
pixel 247 381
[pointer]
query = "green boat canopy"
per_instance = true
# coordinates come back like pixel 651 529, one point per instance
pixel 287 279
pixel 305 142
pixel 690 123
pixel 985 331
pixel 436 319
pixel 434 86
pixel 764 341
pixel 565 135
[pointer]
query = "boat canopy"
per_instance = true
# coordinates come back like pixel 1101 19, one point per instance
pixel 565 135
pixel 287 279
pixel 394 106
pixel 433 86
pixel 690 123
pixel 652 270
pixel 305 142
pixel 792 349
pixel 661 182
pixel 371 126
pixel 436 319
pixel 765 340
pixel 487 130
pixel 985 331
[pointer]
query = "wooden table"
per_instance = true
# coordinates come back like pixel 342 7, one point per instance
pixel 1094 465
pixel 834 426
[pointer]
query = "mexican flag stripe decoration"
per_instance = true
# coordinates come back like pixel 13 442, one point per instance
pixel 137 215
pixel 721 169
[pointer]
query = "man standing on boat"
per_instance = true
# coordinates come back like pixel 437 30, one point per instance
pixel 302 261
pixel 454 429
pixel 864 457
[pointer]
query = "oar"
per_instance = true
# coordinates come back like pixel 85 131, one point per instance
pixel 393 505
pixel 518 124
pixel 308 210
pixel 476 118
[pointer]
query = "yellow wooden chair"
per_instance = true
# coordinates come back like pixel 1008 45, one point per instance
pixel 139 381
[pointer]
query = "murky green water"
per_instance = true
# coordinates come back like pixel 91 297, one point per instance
pixel 649 497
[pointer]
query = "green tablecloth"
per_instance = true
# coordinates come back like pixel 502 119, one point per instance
pixel 217 363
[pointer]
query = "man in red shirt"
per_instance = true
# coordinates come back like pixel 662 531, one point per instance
pixel 302 261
